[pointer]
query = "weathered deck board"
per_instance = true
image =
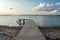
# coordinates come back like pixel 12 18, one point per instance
pixel 30 32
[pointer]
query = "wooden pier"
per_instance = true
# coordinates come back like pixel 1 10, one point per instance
pixel 30 32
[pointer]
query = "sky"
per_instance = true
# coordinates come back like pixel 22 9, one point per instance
pixel 29 7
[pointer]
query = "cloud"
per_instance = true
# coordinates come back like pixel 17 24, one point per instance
pixel 58 3
pixel 47 7
pixel 44 7
pixel 55 11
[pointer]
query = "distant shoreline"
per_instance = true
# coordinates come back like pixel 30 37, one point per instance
pixel 29 15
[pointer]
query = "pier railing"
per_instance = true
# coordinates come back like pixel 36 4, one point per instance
pixel 22 21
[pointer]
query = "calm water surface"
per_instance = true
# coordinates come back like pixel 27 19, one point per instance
pixel 42 20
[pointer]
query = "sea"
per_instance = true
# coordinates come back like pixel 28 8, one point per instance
pixel 40 20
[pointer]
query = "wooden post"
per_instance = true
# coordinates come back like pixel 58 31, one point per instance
pixel 23 21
